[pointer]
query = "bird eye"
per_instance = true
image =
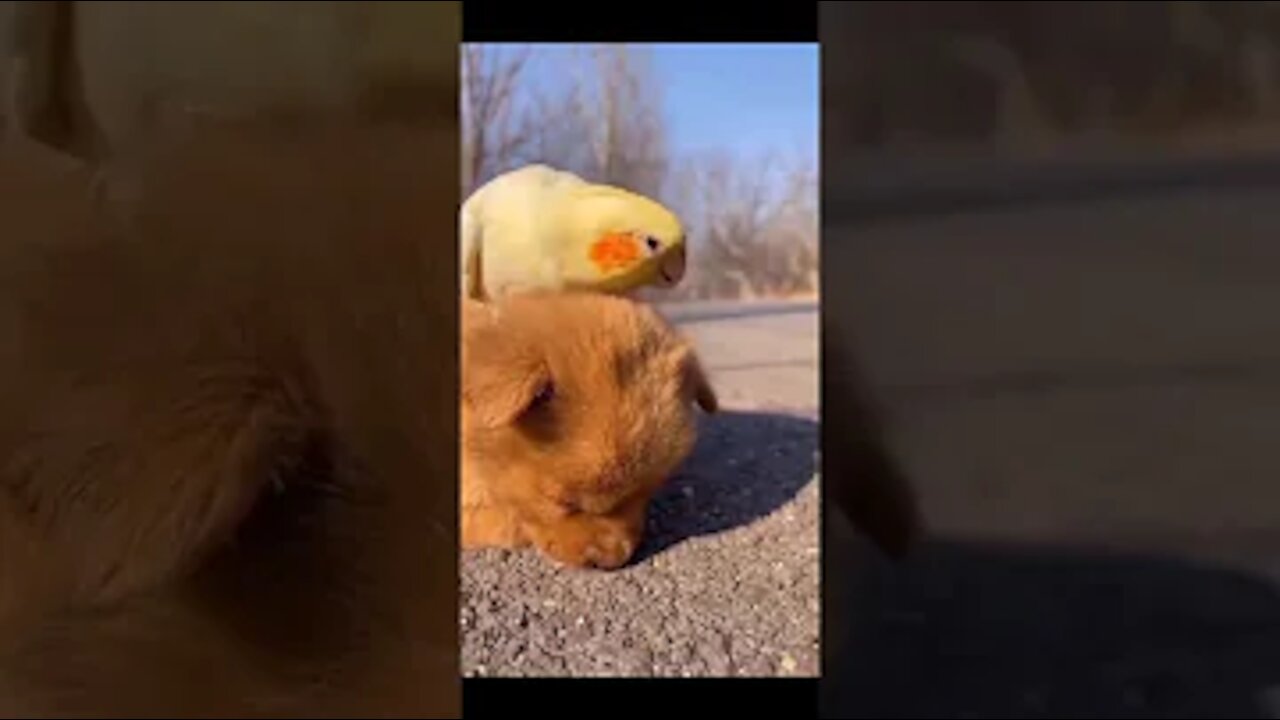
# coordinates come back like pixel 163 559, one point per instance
pixel 653 243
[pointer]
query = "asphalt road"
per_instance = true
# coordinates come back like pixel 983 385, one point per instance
pixel 1087 395
pixel 727 583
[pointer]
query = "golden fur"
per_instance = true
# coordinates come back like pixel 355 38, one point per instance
pixel 227 428
pixel 576 408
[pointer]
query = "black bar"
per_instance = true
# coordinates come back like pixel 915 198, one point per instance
pixel 642 22
pixel 650 697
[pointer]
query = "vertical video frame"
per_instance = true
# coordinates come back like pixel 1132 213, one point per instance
pixel 640 264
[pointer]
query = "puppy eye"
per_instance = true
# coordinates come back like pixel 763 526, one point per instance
pixel 653 243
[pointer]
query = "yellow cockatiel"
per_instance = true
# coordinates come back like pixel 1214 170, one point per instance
pixel 539 228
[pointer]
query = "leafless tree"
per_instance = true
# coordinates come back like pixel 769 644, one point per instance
pixel 628 142
pixel 606 123
pixel 755 224
pixel 492 130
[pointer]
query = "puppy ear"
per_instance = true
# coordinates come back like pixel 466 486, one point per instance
pixel 501 374
pixel 703 393
pixel 179 474
pixel 499 395
pixel 864 481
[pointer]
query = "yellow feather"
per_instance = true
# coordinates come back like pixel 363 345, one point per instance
pixel 542 228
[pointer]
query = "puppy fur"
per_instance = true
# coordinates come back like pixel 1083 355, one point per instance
pixel 227 422
pixel 576 408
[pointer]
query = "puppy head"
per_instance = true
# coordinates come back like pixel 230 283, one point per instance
pixel 576 408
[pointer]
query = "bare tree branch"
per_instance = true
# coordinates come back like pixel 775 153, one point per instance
pixel 491 135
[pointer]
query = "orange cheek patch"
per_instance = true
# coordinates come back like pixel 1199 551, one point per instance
pixel 614 251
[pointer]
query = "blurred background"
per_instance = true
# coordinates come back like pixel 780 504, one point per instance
pixel 1027 77
pixel 1051 230
pixel 98 80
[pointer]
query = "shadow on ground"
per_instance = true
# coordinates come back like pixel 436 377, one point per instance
pixel 746 466
pixel 988 630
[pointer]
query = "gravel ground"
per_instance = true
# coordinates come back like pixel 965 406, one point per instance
pixel 727 583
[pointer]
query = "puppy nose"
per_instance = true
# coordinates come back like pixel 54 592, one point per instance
pixel 609 553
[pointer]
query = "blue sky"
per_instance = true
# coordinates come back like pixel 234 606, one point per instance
pixel 744 98
pixel 741 97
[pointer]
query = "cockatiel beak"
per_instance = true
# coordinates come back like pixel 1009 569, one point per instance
pixel 671 268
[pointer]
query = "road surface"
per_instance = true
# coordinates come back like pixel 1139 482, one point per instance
pixel 1087 394
pixel 727 583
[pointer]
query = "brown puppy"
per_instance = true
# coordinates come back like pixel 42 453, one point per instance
pixel 576 408
pixel 226 483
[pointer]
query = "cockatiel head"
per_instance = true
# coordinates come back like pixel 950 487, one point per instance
pixel 618 239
